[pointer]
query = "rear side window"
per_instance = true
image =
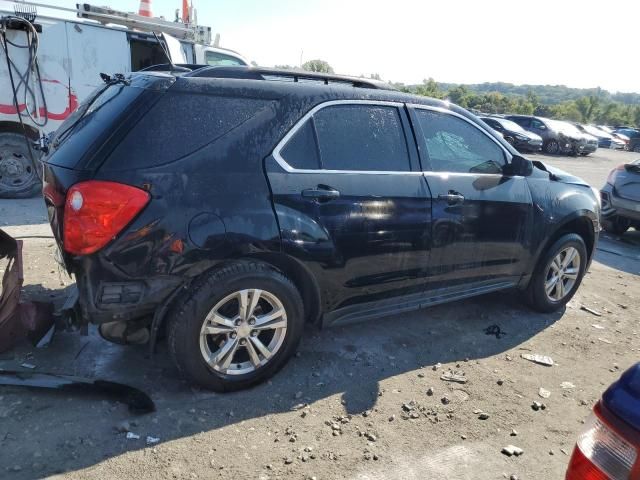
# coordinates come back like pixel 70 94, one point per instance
pixel 301 151
pixel 180 124
pixel 361 137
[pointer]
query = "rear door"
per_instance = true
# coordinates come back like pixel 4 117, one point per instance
pixel 481 217
pixel 351 201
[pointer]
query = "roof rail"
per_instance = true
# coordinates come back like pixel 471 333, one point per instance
pixel 260 73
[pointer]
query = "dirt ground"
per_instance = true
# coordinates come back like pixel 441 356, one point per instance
pixel 354 403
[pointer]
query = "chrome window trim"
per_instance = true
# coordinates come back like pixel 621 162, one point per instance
pixel 298 125
pixel 506 153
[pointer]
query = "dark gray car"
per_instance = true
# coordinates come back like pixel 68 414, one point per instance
pixel 555 139
pixel 621 199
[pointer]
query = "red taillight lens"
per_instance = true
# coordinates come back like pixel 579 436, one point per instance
pixel 601 454
pixel 95 212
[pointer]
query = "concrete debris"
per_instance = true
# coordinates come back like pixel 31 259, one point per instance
pixel 454 376
pixel 152 440
pixel 483 416
pixel 132 436
pixel 445 400
pixel 567 385
pixel 512 450
pixel 543 393
pixel 539 359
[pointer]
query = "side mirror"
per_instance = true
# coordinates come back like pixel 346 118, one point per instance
pixel 518 166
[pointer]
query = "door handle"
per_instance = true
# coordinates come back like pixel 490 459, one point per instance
pixel 322 192
pixel 452 197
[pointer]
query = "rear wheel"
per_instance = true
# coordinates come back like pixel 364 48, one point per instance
pixel 552 147
pixel 18 176
pixel 558 274
pixel 236 328
pixel 616 225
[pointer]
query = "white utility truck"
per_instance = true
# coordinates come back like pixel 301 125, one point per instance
pixel 56 63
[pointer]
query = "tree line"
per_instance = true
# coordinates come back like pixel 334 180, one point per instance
pixel 598 106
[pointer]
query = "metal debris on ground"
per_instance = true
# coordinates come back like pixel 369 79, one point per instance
pixel 495 330
pixel 539 359
pixel 590 310
pixel 132 436
pixel 152 440
pixel 136 400
pixel 454 376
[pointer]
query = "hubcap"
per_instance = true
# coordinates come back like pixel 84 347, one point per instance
pixel 562 274
pixel 243 331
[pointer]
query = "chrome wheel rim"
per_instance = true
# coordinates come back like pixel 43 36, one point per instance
pixel 243 332
pixel 562 274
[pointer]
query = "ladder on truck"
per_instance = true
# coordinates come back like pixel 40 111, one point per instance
pixel 105 15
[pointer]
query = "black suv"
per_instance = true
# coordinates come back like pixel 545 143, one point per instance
pixel 229 206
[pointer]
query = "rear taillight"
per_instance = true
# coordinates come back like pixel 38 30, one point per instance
pixel 95 212
pixel 611 179
pixel 601 453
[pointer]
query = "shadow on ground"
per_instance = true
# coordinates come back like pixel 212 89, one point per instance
pixel 46 432
pixel 620 252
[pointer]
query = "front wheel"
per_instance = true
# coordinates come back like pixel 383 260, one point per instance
pixel 558 274
pixel 552 147
pixel 236 327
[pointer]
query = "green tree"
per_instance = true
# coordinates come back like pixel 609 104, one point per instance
pixel 317 66
pixel 430 88
pixel 587 106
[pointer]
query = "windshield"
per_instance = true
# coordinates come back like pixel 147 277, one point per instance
pixel 509 125
pixel 596 131
pixel 564 127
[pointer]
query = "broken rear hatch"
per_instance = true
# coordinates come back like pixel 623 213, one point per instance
pixel 85 139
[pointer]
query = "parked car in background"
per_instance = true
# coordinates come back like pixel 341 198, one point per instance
pixel 233 205
pixel 634 138
pixel 555 140
pixel 608 447
pixel 586 144
pixel 605 139
pixel 513 133
pixel 621 199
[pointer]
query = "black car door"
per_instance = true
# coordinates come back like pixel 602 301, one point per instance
pixel 481 216
pixel 351 201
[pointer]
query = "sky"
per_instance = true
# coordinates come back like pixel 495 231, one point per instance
pixel 583 44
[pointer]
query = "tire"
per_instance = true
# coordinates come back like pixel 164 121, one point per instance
pixel 552 147
pixel 536 295
pixel 616 225
pixel 220 289
pixel 18 178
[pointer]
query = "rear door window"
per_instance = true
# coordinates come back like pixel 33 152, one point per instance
pixel 361 137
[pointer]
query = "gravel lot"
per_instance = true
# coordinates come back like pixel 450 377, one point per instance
pixel 354 403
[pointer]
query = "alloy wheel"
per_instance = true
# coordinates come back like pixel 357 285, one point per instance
pixel 243 331
pixel 562 274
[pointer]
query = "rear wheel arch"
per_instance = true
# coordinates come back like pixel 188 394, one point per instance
pixel 301 277
pixel 13 127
